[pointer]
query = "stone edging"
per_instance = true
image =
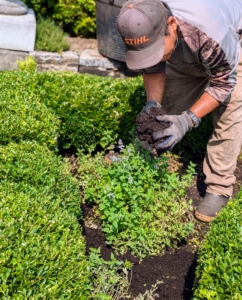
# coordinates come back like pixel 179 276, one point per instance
pixel 83 60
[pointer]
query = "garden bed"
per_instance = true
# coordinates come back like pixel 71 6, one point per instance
pixel 150 250
pixel 175 270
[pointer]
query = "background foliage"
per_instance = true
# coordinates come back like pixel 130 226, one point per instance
pixel 76 17
pixel 50 37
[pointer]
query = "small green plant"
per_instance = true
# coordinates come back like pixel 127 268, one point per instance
pixel 50 37
pixel 29 64
pixel 142 206
pixel 110 278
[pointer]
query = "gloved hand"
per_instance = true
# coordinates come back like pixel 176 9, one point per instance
pixel 178 127
pixel 150 104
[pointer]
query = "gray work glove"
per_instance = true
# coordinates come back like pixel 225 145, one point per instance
pixel 179 126
pixel 150 104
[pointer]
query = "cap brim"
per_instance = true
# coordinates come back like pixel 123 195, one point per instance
pixel 145 58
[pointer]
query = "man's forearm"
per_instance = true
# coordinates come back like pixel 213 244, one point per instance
pixel 204 105
pixel 154 86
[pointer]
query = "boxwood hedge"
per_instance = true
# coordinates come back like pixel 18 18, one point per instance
pixel 23 114
pixel 42 252
pixel 80 110
pixel 219 271
pixel 93 110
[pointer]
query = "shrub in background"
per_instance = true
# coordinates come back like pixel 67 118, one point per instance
pixel 50 37
pixel 219 271
pixel 94 110
pixel 42 253
pixel 41 7
pixel 76 17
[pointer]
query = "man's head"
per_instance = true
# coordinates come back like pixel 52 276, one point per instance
pixel 149 32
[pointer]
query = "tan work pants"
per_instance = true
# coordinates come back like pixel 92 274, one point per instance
pixel 182 91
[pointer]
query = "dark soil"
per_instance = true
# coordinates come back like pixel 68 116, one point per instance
pixel 176 268
pixel 146 125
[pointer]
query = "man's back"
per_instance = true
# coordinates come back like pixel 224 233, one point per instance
pixel 218 19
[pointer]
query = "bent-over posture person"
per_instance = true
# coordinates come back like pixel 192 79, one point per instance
pixel 188 52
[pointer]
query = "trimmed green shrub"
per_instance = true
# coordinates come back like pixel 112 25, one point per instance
pixel 35 165
pixel 42 252
pixel 23 115
pixel 77 17
pixel 93 110
pixel 50 37
pixel 219 271
pixel 142 206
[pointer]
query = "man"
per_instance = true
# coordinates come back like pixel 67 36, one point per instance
pixel 188 52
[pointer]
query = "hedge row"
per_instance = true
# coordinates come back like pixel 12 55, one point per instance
pixel 78 110
pixel 42 250
pixel 92 110
pixel 219 271
pixel 23 115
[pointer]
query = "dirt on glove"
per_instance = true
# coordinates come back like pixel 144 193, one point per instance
pixel 146 124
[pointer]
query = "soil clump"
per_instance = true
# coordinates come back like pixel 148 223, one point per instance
pixel 146 125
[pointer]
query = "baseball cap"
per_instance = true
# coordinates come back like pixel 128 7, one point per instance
pixel 142 25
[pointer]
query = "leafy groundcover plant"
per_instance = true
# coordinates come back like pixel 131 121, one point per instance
pixel 142 206
pixel 219 271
